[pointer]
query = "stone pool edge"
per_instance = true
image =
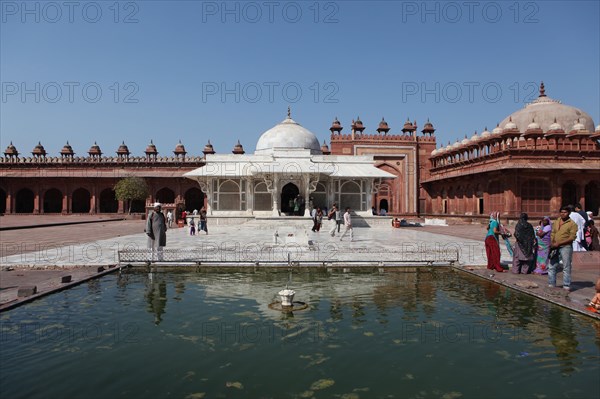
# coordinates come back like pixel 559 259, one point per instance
pixel 552 295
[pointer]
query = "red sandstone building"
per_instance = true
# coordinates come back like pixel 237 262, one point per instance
pixel 537 159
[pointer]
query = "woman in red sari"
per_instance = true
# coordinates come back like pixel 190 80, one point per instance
pixel 492 246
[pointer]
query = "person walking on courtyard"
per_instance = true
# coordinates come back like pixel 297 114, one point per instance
pixel 156 230
pixel 338 216
pixel 192 228
pixel 564 232
pixel 492 245
pixel 313 215
pixel 524 247
pixel 203 221
pixel 348 224
pixel 331 217
pixel 170 219
pixel 319 219
pixel 543 232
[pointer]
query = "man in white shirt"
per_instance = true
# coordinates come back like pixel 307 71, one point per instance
pixel 580 222
pixel 348 224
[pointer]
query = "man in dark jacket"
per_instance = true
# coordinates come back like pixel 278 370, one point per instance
pixel 156 230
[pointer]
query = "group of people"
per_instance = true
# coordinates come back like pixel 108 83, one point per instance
pixel 336 218
pixel 540 250
pixel 202 222
pixel 157 225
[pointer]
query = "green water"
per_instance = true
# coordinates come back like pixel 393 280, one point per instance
pixel 396 335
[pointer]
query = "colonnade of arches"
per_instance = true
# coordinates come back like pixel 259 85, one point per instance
pixel 81 200
pixel 532 195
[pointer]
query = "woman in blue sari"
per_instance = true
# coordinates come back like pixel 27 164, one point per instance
pixel 492 246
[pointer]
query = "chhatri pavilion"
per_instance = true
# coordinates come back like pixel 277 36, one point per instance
pixel 288 164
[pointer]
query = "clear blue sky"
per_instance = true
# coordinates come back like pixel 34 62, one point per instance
pixel 162 67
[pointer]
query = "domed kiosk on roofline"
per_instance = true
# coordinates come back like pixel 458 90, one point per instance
pixel 286 170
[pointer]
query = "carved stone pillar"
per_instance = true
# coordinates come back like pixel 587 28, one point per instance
pixel 205 187
pixel 310 183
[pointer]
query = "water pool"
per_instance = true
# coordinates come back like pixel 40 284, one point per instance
pixel 426 334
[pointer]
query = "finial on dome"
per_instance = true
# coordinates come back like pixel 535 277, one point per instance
pixel 289 112
pixel 542 90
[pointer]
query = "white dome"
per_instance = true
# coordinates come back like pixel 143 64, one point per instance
pixel 597 128
pixel 497 129
pixel 533 125
pixel 288 135
pixel 555 126
pixel 579 126
pixel 474 137
pixel 544 109
pixel 465 141
pixel 485 133
pixel 456 145
pixel 510 125
pixel 434 152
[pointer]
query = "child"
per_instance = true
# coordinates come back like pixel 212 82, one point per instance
pixel 595 302
pixel 192 228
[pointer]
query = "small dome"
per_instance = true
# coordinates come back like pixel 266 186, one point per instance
pixel 39 150
pixel 597 129
pixel 448 147
pixel 95 149
pixel 578 126
pixel 336 126
pixel 456 145
pixel 123 149
pixel 208 148
pixel 325 148
pixel 434 152
pixel 497 129
pixel 151 148
pixel 555 126
pixel 238 148
pixel 383 126
pixel 533 125
pixel 510 125
pixel 475 137
pixel 179 149
pixel 465 141
pixel 11 150
pixel 67 150
pixel 428 127
pixel 408 126
pixel 485 133
pixel 358 125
